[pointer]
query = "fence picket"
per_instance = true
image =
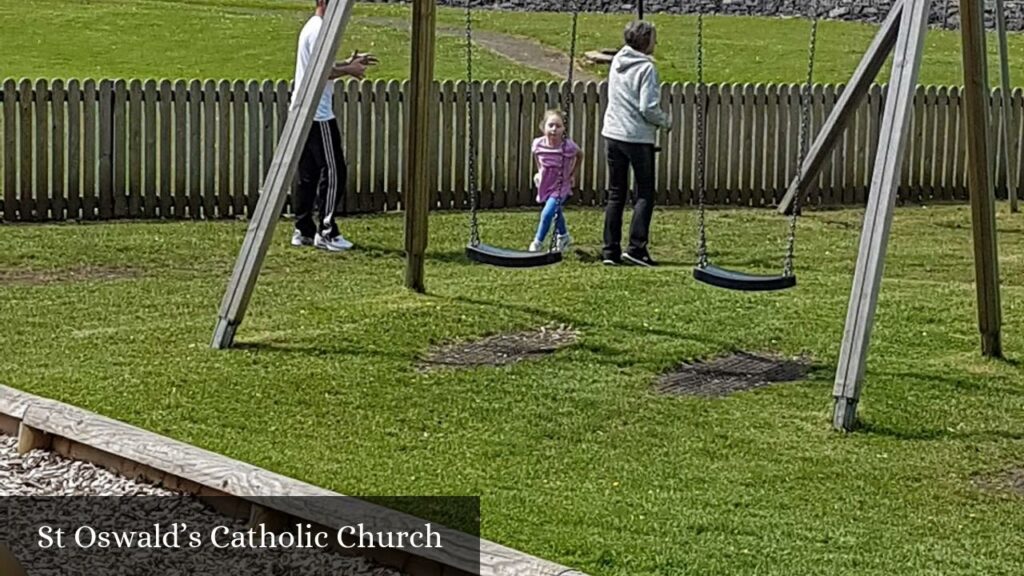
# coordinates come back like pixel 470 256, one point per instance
pixel 165 136
pixel 500 142
pixel 90 157
pixel 394 142
pixel 195 150
pixel 379 139
pixel 584 112
pixel 11 155
pixel 42 160
pixel 120 144
pixel 365 162
pixel 134 158
pixel 223 148
pixel 255 173
pixel 267 136
pixel 351 151
pixel 447 109
pixel 181 198
pixel 106 163
pixel 459 153
pixel 931 162
pixel 238 148
pixel 485 144
pixel 149 149
pixel 74 149
pixel 58 138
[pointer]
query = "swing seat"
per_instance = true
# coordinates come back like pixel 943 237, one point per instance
pixel 732 280
pixel 505 258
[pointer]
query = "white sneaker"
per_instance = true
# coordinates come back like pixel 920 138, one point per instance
pixel 562 242
pixel 535 246
pixel 299 240
pixel 336 244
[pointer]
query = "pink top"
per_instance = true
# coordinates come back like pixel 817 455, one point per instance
pixel 550 160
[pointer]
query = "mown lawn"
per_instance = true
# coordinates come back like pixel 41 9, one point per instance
pixel 254 39
pixel 576 460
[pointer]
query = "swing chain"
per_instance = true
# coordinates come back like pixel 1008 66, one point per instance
pixel 702 99
pixel 805 112
pixel 567 102
pixel 474 226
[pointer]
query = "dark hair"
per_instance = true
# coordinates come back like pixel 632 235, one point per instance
pixel 638 34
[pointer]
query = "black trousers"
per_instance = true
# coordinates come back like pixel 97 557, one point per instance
pixel 321 180
pixel 622 156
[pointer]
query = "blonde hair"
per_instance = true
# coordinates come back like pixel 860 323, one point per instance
pixel 549 114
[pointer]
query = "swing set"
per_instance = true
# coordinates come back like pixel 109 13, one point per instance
pixel 704 271
pixel 902 34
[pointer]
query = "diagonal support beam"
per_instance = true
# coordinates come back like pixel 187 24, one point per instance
pixel 1009 114
pixel 866 72
pixel 860 315
pixel 282 171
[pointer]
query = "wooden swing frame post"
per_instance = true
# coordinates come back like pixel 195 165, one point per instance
pixel 885 181
pixel 420 174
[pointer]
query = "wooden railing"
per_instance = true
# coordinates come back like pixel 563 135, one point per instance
pixel 190 149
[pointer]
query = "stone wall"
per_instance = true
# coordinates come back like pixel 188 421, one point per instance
pixel 944 13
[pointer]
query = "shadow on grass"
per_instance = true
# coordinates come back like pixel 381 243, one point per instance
pixel 961 383
pixel 927 434
pixel 958 226
pixel 594 256
pixel 956 381
pixel 552 315
pixel 446 256
pixel 320 348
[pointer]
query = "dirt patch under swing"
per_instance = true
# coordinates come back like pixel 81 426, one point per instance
pixel 729 374
pixel 499 349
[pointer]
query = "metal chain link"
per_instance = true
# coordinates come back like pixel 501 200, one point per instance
pixel 474 225
pixel 702 100
pixel 805 112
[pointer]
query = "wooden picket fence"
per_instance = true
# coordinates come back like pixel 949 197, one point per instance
pixel 191 149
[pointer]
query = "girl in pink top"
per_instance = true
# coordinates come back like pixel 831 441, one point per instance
pixel 557 159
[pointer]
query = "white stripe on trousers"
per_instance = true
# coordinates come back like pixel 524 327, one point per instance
pixel 332 174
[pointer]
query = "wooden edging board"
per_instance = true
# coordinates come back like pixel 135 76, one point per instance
pixel 136 453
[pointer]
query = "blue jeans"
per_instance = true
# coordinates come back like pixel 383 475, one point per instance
pixel 552 211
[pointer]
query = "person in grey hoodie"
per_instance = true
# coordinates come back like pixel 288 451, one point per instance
pixel 631 122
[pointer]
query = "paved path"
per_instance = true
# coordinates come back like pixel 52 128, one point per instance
pixel 523 51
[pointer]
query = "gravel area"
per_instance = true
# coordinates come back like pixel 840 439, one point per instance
pixel 36 487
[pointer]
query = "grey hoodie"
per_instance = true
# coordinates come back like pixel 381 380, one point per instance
pixel 634 93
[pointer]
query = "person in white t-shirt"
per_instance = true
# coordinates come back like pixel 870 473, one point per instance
pixel 322 171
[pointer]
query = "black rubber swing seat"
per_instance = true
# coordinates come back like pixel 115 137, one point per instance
pixel 506 258
pixel 732 280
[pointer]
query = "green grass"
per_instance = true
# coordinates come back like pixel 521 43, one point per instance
pixel 244 39
pixel 574 457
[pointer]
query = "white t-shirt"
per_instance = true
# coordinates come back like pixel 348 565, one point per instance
pixel 307 38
